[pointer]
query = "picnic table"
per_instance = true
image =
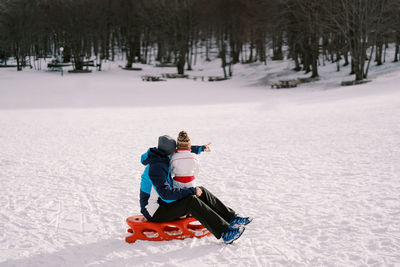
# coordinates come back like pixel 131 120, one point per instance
pixel 284 84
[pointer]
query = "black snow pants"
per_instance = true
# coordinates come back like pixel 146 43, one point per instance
pixel 207 209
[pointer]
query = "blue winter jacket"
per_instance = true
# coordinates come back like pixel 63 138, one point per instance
pixel 156 185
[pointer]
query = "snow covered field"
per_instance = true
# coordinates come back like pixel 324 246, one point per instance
pixel 317 166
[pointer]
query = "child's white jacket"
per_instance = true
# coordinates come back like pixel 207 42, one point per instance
pixel 184 168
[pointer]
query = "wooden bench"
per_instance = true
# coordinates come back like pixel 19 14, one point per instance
pixel 8 66
pixel 90 63
pixel 349 83
pixel 197 77
pixel 166 65
pixel 132 68
pixel 150 78
pixel 55 65
pixel 307 80
pixel 216 78
pixel 174 75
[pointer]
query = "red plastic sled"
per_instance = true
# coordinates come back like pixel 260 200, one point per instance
pixel 142 229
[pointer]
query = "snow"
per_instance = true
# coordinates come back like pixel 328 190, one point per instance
pixel 317 166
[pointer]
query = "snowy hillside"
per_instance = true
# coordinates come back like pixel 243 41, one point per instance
pixel 317 166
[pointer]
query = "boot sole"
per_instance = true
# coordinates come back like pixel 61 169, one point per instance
pixel 231 241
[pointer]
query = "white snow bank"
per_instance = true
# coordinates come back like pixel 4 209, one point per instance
pixel 317 166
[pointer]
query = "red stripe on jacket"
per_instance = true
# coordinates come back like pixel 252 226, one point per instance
pixel 184 179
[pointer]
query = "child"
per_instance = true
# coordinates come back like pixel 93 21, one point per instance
pixel 184 163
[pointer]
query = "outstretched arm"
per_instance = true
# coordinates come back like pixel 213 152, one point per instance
pixel 207 149
pixel 199 149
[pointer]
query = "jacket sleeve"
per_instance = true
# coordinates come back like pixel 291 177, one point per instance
pixel 144 157
pixel 197 149
pixel 159 178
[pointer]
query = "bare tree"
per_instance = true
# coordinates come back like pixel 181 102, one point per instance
pixel 358 21
pixel 241 30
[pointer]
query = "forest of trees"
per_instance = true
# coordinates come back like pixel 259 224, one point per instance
pixel 174 31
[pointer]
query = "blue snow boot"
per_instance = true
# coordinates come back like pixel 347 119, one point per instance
pixel 237 221
pixel 231 234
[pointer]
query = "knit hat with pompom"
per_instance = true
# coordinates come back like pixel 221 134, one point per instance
pixel 183 141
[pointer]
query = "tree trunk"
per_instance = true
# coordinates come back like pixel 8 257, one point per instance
pixel 346 58
pixel 358 71
pixel 235 51
pixel 260 47
pixel 78 63
pixel 277 47
pixel 130 55
pixel 17 52
pixel 222 55
pixel 379 50
pixel 251 52
pixel 384 52
pixel 180 64
pixel 297 63
pixel 195 53
pixel 66 54
pixel 314 55
pixel 306 60
pixel 189 61
pixel 139 57
pixel 338 61
pixel 208 44
pixel 369 61
pixel 189 55
pixel 396 53
pixel 160 52
pixel 19 65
